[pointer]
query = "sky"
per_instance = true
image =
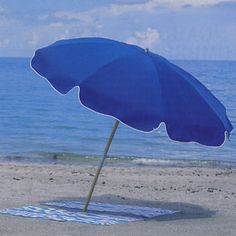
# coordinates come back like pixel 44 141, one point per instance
pixel 176 29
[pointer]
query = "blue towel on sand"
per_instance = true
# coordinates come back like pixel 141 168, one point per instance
pixel 99 213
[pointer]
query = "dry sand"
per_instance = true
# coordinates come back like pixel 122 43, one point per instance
pixel 206 197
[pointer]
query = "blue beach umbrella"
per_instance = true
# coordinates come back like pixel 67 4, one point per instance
pixel 136 87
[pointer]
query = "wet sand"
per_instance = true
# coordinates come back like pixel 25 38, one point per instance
pixel 205 196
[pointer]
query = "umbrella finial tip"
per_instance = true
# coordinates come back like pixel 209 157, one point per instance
pixel 147 50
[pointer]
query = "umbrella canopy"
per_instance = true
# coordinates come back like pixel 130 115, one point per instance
pixel 137 87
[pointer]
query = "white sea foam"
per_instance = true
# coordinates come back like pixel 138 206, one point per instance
pixel 152 162
pixel 181 162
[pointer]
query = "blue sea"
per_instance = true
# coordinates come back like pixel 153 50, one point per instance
pixel 39 125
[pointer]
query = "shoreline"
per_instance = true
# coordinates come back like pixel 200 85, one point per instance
pixel 114 161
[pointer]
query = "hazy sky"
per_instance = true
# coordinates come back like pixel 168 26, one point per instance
pixel 176 29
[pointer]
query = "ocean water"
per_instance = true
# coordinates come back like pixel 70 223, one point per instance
pixel 37 123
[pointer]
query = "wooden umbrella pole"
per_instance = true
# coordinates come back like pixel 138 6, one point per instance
pixel 101 164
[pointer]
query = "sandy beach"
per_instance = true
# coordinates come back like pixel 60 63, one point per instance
pixel 205 196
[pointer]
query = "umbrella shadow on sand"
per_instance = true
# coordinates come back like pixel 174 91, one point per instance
pixel 182 210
